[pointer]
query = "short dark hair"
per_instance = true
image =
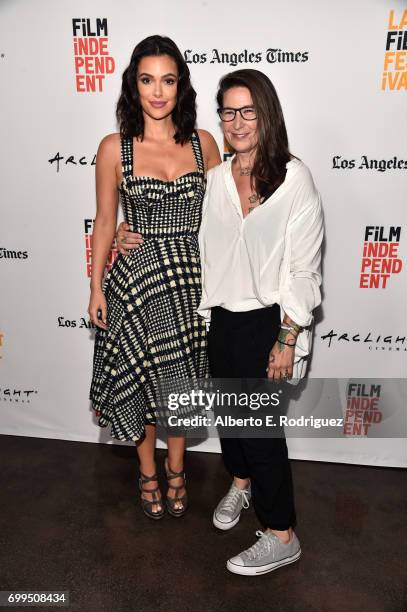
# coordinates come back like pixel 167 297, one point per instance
pixel 129 112
pixel 272 154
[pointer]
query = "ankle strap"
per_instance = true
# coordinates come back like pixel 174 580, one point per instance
pixel 171 475
pixel 176 487
pixel 154 490
pixel 144 478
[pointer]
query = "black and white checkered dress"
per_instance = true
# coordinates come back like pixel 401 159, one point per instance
pixel 152 296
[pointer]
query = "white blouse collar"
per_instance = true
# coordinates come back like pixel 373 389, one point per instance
pixel 232 189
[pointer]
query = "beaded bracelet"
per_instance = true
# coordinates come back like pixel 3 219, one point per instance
pixel 296 328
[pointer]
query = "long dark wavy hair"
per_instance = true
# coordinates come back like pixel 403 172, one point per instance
pixel 129 112
pixel 272 152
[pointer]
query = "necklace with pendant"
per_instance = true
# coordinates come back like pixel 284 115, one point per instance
pixel 246 171
pixel 254 199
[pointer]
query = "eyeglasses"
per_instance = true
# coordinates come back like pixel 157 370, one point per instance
pixel 246 112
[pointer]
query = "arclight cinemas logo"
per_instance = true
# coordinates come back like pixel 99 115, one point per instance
pixel 17 394
pixel 373 340
pixel 380 258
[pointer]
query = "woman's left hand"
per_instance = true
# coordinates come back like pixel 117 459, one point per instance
pixel 280 363
pixel 127 240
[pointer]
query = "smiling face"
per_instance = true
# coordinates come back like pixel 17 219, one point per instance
pixel 157 80
pixel 240 134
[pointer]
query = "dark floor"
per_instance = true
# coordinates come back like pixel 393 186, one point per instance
pixel 70 519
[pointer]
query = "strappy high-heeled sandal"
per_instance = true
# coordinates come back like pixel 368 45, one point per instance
pixel 146 504
pixel 182 500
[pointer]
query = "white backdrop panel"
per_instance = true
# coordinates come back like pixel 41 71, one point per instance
pixel 333 106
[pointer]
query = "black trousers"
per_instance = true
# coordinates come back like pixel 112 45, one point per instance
pixel 239 344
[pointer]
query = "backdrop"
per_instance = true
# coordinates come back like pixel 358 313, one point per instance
pixel 340 71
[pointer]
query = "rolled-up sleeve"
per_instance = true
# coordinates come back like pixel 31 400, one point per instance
pixel 300 293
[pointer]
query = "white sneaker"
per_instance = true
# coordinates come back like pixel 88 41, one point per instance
pixel 227 513
pixel 266 555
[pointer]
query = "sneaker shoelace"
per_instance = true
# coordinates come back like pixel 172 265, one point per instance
pixel 232 499
pixel 264 545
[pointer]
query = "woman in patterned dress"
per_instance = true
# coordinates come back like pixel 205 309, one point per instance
pixel 145 308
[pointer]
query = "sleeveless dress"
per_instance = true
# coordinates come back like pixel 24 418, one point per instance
pixel 152 296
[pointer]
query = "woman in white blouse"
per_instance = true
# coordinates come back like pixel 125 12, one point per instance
pixel 260 242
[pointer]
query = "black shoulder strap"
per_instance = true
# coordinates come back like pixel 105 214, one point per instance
pixel 196 146
pixel 127 157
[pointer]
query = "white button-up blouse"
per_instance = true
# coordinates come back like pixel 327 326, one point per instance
pixel 271 256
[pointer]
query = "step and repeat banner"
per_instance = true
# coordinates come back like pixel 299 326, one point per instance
pixel 340 69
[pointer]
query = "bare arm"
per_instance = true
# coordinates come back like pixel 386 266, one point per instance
pixel 210 149
pixel 105 224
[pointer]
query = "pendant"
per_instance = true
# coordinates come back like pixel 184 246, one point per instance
pixel 245 171
pixel 253 198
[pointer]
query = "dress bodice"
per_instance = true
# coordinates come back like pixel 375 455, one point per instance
pixel 161 209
